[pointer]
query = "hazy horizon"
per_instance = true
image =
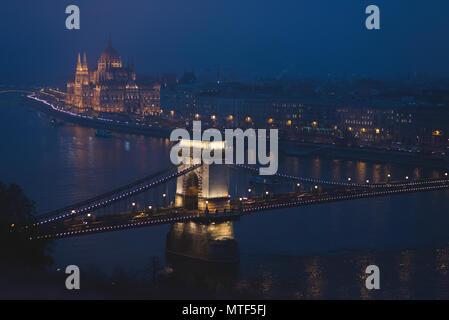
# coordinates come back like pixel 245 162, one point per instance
pixel 246 39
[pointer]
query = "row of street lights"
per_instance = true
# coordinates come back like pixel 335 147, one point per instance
pixel 389 176
pixel 267 193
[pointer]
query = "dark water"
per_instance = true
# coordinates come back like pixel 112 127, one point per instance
pixel 310 252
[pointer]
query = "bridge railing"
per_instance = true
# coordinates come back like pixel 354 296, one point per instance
pixel 113 196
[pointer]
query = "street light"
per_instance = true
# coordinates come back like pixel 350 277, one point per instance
pixel 150 207
pixel 406 178
pixel 389 175
pixel 133 204
pixel 349 179
pixel 367 181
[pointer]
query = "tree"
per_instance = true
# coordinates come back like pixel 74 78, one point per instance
pixel 16 214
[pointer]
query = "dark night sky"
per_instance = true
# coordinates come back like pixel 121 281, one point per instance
pixel 248 37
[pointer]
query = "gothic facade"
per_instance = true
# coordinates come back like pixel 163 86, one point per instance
pixel 112 87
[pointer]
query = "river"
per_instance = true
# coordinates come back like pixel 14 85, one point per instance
pixel 309 252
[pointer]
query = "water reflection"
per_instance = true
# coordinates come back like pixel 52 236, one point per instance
pixel 296 253
pixel 203 256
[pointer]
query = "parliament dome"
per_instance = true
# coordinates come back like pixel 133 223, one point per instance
pixel 109 57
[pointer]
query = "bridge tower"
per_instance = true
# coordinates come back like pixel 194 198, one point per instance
pixel 207 184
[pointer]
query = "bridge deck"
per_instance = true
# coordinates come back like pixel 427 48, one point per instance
pixel 81 226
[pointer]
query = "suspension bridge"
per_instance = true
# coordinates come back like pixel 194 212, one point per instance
pixel 202 196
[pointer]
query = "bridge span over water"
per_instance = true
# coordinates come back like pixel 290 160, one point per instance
pixel 202 196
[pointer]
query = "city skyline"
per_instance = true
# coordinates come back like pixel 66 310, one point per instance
pixel 290 149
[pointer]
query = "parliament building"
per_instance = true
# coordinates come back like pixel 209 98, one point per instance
pixel 111 88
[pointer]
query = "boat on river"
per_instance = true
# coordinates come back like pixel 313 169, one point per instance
pixel 104 134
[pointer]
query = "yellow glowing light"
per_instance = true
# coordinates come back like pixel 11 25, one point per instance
pixel 437 133
pixel 289 123
pixel 172 112
pixel 230 117
pixel 213 117
pixel 211 145
pixel 248 119
pixel 197 116
pixel 350 129
pixel 377 131
pixel 314 123
pixel 363 130
pixel 270 120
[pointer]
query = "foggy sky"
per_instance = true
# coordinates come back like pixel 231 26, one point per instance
pixel 246 37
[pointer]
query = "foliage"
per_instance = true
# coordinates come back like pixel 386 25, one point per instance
pixel 16 214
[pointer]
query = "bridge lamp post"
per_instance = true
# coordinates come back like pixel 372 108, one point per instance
pixel 406 178
pixel 445 174
pixel 367 181
pixel 349 179
pixel 164 202
pixel 267 194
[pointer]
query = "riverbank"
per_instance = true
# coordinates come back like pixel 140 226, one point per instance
pixel 97 123
pixel 288 148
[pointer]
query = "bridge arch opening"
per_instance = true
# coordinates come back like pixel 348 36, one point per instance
pixel 191 192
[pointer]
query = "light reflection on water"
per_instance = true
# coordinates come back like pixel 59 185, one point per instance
pixel 308 252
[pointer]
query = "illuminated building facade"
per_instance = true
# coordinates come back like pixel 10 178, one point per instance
pixel 111 88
